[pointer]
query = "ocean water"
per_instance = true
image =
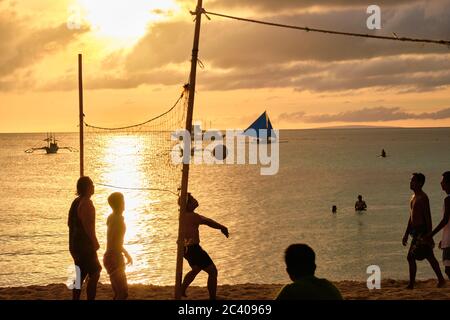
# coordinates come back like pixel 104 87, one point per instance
pixel 264 214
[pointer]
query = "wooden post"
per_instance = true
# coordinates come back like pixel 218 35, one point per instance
pixel 185 177
pixel 81 112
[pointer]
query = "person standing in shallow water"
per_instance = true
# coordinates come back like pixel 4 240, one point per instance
pixel 197 257
pixel 360 205
pixel 301 266
pixel 419 225
pixel 113 259
pixel 83 243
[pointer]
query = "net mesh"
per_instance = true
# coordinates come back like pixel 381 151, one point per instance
pixel 139 156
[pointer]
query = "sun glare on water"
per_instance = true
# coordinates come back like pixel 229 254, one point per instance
pixel 125 20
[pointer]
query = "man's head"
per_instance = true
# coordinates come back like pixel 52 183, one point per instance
pixel 417 181
pixel 85 187
pixel 300 261
pixel 116 202
pixel 192 203
pixel 445 182
pixel 360 197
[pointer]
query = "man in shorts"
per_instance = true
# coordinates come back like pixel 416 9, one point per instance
pixel 197 257
pixel 419 225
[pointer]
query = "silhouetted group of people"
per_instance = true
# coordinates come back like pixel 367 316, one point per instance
pixel 420 229
pixel 83 246
pixel 83 243
pixel 360 205
pixel 299 258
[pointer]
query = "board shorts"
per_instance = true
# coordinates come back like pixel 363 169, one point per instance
pixel 88 263
pixel 419 250
pixel 114 262
pixel 196 256
pixel 446 256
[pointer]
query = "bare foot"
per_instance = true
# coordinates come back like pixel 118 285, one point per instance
pixel 410 286
pixel 441 284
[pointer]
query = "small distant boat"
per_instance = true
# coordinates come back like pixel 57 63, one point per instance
pixel 261 129
pixel 52 146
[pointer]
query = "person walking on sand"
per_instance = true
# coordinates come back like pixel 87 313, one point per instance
pixel 198 258
pixel 444 224
pixel 113 260
pixel 419 225
pixel 301 266
pixel 83 243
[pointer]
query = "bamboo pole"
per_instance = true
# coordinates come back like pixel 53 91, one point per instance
pixel 81 112
pixel 187 144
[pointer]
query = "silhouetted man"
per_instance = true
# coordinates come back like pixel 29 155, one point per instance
pixel 360 205
pixel 301 266
pixel 197 257
pixel 419 225
pixel 83 243
pixel 445 224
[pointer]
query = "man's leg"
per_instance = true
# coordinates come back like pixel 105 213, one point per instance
pixel 76 293
pixel 120 279
pixel 437 269
pixel 91 289
pixel 212 281
pixel 447 271
pixel 113 286
pixel 188 278
pixel 412 271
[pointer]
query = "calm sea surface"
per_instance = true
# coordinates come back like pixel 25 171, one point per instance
pixel 318 169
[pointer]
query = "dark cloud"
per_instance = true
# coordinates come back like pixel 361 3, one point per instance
pixel 411 73
pixel 279 5
pixel 246 56
pixel 231 44
pixel 366 115
pixel 242 56
pixel 292 117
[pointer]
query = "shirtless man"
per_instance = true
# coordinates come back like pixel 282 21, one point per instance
pixel 198 258
pixel 419 225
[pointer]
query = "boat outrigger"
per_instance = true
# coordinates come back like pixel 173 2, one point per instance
pixel 52 146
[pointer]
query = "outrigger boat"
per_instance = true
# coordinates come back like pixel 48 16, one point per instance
pixel 52 146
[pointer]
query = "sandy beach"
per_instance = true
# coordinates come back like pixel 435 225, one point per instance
pixel 351 290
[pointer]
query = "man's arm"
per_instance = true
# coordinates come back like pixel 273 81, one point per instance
pixel 127 255
pixel 213 224
pixel 408 230
pixel 427 214
pixel 444 220
pixel 88 221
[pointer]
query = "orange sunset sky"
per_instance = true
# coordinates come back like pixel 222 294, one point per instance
pixel 136 59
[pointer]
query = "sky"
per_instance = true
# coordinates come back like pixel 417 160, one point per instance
pixel 136 57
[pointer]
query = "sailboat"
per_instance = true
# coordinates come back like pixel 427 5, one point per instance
pixel 261 129
pixel 51 147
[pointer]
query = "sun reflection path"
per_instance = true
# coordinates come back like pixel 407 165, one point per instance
pixel 121 163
